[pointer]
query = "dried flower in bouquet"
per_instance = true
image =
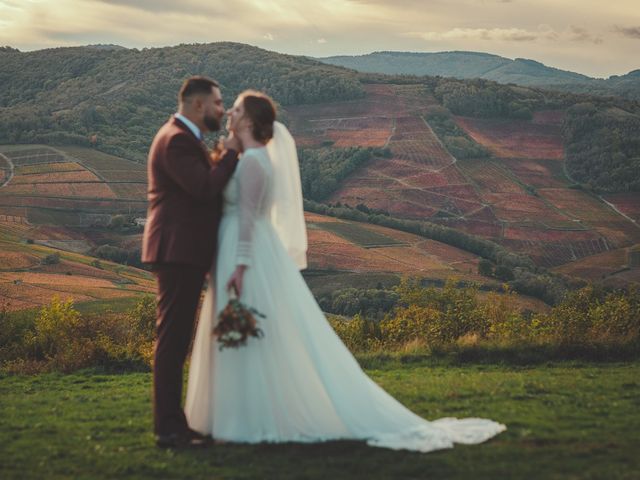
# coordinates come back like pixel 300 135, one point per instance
pixel 236 324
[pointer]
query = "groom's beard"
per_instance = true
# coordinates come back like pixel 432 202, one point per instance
pixel 212 123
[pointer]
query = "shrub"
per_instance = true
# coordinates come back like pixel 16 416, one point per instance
pixel 60 339
pixel 592 316
pixel 506 324
pixel 111 253
pixel 372 303
pixel 97 264
pixel 485 267
pixel 55 338
pixel 504 273
pixel 358 333
pixel 587 320
pixel 142 317
pixel 412 323
pixel 51 259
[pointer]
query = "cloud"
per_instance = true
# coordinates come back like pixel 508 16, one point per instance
pixel 580 34
pixel 170 6
pixel 631 32
pixel 503 34
pixel 544 32
pixel 592 37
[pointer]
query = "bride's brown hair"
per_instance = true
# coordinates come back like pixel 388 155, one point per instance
pixel 261 111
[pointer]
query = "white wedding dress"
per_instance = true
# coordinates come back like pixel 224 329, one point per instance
pixel 299 383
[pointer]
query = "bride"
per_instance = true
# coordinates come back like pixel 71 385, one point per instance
pixel 298 383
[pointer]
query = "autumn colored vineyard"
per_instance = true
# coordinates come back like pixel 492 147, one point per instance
pixel 340 245
pixel 510 138
pixel 66 185
pixel 519 196
pixel 33 272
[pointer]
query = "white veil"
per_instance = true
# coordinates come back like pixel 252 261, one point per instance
pixel 287 213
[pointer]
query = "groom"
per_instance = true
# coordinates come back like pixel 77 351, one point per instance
pixel 185 206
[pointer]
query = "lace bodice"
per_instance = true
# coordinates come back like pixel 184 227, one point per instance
pixel 249 196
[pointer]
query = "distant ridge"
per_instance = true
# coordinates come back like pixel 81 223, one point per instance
pixel 106 46
pixel 468 65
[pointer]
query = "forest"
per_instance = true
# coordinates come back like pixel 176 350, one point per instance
pixel 114 99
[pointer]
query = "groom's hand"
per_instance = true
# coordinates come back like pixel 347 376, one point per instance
pixel 235 281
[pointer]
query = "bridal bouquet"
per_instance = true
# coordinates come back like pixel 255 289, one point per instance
pixel 237 322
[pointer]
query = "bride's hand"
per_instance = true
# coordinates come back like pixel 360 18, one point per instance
pixel 235 281
pixel 231 142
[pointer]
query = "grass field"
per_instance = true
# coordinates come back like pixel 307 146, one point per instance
pixel 564 420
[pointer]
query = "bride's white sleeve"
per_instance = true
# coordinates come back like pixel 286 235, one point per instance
pixel 251 190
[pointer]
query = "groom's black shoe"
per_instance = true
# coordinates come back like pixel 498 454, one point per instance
pixel 189 439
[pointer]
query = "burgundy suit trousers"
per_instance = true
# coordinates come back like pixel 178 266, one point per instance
pixel 179 288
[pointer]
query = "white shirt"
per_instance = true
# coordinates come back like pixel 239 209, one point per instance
pixel 192 126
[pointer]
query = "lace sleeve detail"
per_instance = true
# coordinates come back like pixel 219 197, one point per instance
pixel 252 182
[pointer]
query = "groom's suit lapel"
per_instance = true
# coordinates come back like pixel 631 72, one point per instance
pixel 196 140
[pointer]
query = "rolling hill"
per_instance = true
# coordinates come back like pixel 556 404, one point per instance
pixel 62 199
pixel 530 170
pixel 519 196
pixel 70 186
pixel 116 99
pixel 469 65
pixel 36 264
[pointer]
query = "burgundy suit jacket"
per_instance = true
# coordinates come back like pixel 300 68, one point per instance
pixel 185 198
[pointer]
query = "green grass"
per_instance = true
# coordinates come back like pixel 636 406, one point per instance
pixel 565 420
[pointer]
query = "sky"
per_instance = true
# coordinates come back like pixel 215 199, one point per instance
pixel 592 37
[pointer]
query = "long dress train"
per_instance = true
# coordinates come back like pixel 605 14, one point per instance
pixel 299 382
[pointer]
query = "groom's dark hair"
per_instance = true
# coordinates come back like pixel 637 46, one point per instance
pixel 196 85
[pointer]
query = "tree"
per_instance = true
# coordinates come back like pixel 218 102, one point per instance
pixel 485 267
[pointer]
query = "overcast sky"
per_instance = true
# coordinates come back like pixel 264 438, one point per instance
pixel 594 37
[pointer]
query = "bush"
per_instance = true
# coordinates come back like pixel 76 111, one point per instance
pixel 60 339
pixel 51 259
pixel 118 255
pixel 55 338
pixel 592 316
pixel 587 320
pixel 142 318
pixel 97 264
pixel 485 267
pixel 504 273
pixel 372 303
pixel 358 333
pixel 111 253
pixel 410 324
